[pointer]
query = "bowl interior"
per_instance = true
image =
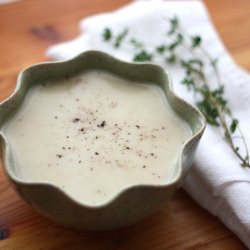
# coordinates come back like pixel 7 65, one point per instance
pixel 51 72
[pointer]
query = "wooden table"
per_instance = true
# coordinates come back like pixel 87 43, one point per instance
pixel 27 28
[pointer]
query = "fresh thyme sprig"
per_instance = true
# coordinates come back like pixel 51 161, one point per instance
pixel 210 101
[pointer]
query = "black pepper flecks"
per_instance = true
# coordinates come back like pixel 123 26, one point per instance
pixel 89 121
pixel 76 120
pixel 102 124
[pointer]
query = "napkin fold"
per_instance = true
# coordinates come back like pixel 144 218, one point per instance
pixel 216 181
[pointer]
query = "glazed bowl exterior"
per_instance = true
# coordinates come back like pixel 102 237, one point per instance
pixel 131 204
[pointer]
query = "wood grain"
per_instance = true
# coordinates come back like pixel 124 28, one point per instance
pixel 27 28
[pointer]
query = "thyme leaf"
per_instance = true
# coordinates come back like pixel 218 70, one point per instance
pixel 107 34
pixel 142 56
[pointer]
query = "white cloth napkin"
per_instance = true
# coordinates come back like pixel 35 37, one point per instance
pixel 216 181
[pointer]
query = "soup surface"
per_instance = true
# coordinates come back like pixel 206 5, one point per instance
pixel 95 134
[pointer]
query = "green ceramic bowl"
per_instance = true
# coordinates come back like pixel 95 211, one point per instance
pixel 131 204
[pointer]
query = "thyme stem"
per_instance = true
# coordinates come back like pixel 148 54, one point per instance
pixel 212 102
